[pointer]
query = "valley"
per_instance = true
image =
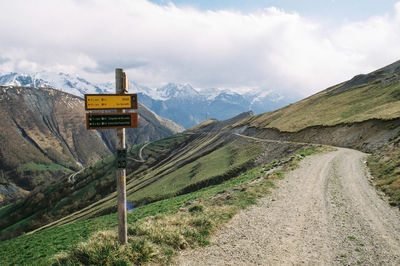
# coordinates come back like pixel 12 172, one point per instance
pixel 298 177
pixel 43 138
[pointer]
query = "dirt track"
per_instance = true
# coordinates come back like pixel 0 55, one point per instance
pixel 325 212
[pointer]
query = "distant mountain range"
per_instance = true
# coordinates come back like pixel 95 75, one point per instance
pixel 179 102
pixel 63 82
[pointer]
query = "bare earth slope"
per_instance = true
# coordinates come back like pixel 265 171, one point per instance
pixel 324 212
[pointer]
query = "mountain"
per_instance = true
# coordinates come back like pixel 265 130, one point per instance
pixel 22 80
pixel 367 96
pixel 216 160
pixel 188 107
pixel 61 81
pixel 43 137
pixel 180 103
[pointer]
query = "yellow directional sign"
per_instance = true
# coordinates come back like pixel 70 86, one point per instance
pixel 110 101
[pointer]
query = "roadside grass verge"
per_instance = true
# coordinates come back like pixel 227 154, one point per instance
pixel 157 238
pixel 40 247
pixel 384 165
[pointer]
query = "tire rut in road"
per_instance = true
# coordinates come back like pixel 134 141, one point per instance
pixel 365 229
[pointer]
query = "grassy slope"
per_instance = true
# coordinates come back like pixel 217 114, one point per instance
pixel 377 99
pixel 385 166
pixel 171 165
pixel 62 198
pixel 377 96
pixel 40 247
pixel 166 180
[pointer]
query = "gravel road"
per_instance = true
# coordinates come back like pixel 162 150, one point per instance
pixel 323 213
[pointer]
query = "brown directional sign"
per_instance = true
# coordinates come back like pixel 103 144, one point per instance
pixel 111 120
pixel 110 101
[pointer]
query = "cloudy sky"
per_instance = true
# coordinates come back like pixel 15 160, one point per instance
pixel 290 46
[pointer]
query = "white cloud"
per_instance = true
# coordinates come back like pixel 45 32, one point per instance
pixel 268 49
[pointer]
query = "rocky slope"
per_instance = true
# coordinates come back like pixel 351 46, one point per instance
pixel 43 136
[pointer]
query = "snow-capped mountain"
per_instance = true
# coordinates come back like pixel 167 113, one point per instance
pixel 178 91
pixel 179 102
pixel 188 106
pixel 61 81
pixel 268 100
pixel 16 79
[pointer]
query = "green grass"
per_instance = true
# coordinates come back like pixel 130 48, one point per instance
pixel 5 209
pixel 61 198
pixel 374 100
pixel 40 247
pixel 20 223
pixel 384 165
pixel 353 238
pixel 157 238
pixel 194 162
pixel 42 167
pixel 214 164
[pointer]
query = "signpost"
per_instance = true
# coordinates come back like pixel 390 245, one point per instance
pixel 111 120
pixel 110 101
pixel 119 121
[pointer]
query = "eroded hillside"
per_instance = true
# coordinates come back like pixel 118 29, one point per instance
pixel 43 137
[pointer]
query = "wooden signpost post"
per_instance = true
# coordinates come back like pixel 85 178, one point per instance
pixel 119 120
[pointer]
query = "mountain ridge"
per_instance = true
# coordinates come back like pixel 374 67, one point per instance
pixel 180 103
pixel 43 136
pixel 365 96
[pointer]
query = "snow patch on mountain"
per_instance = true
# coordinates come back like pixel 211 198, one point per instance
pixel 64 82
pixel 70 83
pixel 182 91
pixel 181 103
pixel 15 79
